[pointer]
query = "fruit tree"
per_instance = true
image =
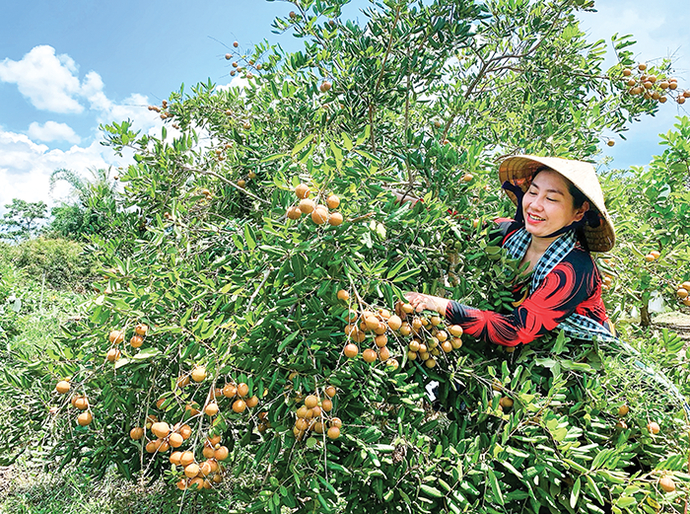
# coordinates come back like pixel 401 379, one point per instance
pixel 249 336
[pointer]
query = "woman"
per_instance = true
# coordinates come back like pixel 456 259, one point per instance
pixel 560 218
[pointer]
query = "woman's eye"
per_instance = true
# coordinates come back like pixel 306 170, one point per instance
pixel 551 199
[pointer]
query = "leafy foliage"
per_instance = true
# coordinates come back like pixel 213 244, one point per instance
pixel 22 219
pixel 422 100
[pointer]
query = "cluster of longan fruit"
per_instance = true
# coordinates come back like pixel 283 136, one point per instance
pixel 117 337
pixel 242 69
pixel 682 292
pixel 237 393
pixel 314 415
pixel 429 336
pixel 319 212
pixel 201 474
pixel 161 110
pixel 78 401
pixel 164 437
pixel 652 87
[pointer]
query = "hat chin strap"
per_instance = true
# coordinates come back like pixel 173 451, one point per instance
pixel 590 217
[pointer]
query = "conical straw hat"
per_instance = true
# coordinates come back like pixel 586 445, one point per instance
pixel 519 170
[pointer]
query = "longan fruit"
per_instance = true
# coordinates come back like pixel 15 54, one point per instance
pixel 333 202
pixel 307 206
pixel 335 219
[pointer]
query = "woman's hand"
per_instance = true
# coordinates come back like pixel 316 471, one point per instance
pixel 422 302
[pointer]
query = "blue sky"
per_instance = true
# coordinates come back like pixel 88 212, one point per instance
pixel 67 66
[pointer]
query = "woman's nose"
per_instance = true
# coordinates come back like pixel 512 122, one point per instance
pixel 537 203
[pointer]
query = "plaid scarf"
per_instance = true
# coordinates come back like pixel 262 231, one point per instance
pixel 575 326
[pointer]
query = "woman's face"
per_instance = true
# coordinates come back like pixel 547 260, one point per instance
pixel 548 205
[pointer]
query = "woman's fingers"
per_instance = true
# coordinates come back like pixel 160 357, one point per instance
pixel 418 300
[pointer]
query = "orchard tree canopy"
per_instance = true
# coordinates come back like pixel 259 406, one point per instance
pixel 253 313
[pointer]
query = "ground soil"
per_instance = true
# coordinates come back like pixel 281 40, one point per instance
pixel 678 322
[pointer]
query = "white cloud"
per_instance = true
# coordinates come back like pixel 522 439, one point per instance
pixel 53 131
pixel 46 79
pixel 25 166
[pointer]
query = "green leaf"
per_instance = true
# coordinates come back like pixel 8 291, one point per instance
pixel 146 353
pixel 302 144
pixel 431 491
pixel 575 493
pixel 495 487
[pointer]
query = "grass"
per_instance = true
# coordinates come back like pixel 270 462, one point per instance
pixel 27 491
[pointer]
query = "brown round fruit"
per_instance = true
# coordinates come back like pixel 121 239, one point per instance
pixel 229 390
pixel 186 458
pixel 667 484
pixel 333 202
pixel 506 402
pixel 175 440
pixel 185 431
pixel 160 429
pixel 85 418
pixel 610 142
pixel 113 355
pixel 319 215
pixel 136 433
pixel 335 219
pixel 294 213
pixel 136 341
pixel 211 409
pixel 116 336
pixel 252 402
pixel 242 390
pixel 369 355
pixel 351 350
pixel 199 374
pixel 327 405
pixel 80 402
pixel 62 387
pixel 239 406
pixel 394 322
pixel 325 86
pixel 384 354
pixel 623 410
pixel 653 427
pixel 306 206
pixel 221 453
pixel 175 458
pixel 302 191
pixel 311 401
pixel 333 432
pixel 330 391
pixel 141 329
pixel 343 295
pixel 191 470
